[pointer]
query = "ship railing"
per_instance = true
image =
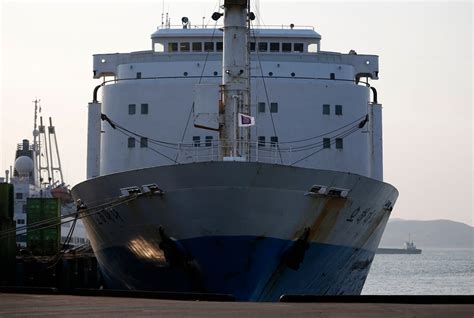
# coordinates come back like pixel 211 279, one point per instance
pixel 254 27
pixel 251 151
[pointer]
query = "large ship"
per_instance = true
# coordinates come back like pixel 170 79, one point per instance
pixel 238 160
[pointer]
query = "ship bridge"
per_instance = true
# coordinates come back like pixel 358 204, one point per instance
pixel 284 44
pixel 273 40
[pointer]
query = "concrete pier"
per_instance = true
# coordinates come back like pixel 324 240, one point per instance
pixel 26 305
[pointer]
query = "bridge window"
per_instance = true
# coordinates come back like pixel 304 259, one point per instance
pixel 274 47
pixel 252 46
pixel 144 109
pixel 286 47
pixel 219 46
pixel 172 47
pixel 261 107
pixel 326 110
pixel 143 142
pixel 313 48
pixel 274 141
pixel 197 141
pixel 19 195
pixel 131 142
pixel 262 46
pixel 338 109
pixel 298 47
pixel 158 47
pixel 326 143
pixel 184 46
pixel 339 144
pixel 208 141
pixel 132 109
pixel 261 141
pixel 273 107
pixel 209 46
pixel 197 46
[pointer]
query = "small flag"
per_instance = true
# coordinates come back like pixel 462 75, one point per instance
pixel 246 120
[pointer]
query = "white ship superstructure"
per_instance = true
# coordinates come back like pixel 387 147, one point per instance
pixel 37 173
pixel 291 201
pixel 296 94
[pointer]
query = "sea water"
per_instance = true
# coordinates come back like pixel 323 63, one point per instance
pixel 433 272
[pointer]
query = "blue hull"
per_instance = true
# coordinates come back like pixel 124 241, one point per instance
pixel 250 268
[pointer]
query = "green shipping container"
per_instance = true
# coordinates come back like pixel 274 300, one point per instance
pixel 45 241
pixel 6 201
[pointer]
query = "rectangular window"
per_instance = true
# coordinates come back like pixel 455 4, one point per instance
pixel 184 46
pixel 20 221
pixel 131 109
pixel 219 46
pixel 158 47
pixel 339 143
pixel 139 74
pixel 338 109
pixel 261 107
pixel 208 141
pixel 261 141
pixel 208 46
pixel 173 47
pixel 274 47
pixel 274 141
pixel 24 208
pixel 143 142
pixel 298 47
pixel 19 195
pixel 326 143
pixel 252 46
pixel 273 107
pixel 326 109
pixel 197 46
pixel 286 47
pixel 262 46
pixel 332 76
pixel 197 141
pixel 144 109
pixel 131 142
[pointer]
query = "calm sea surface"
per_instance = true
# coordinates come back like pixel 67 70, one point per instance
pixel 434 272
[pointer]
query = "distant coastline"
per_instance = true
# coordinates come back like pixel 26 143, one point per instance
pixel 428 234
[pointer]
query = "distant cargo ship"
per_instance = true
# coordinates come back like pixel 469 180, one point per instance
pixel 410 248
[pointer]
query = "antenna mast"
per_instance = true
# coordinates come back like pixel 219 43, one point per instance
pixel 36 150
pixel 162 13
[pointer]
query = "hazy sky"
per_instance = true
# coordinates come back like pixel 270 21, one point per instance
pixel 425 84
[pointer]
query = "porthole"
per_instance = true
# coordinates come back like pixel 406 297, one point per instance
pixel 270 73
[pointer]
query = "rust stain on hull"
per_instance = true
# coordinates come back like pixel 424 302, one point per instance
pixel 324 223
